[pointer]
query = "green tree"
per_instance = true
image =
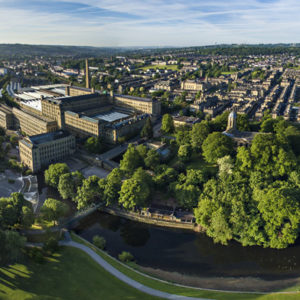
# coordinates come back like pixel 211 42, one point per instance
pixel 186 195
pixel 243 122
pixel 89 193
pixel 281 212
pixel 125 256
pixel 93 145
pixel 27 216
pixel 216 145
pixel 199 133
pixel 133 193
pixel 270 157
pixel 243 159
pixel 53 173
pixel 292 135
pixel 184 153
pixel 53 210
pixel 167 124
pixel 152 160
pixel 183 136
pixel 144 177
pixel 267 125
pixel 225 165
pixel 223 210
pixel 165 175
pixel 220 122
pixel 68 184
pixel 99 241
pixel 131 160
pixel 142 150
pixel 113 186
pixel 147 130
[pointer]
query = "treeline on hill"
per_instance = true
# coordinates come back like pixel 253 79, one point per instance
pixel 24 50
pixel 251 195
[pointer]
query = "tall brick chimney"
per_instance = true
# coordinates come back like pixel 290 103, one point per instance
pixel 87 80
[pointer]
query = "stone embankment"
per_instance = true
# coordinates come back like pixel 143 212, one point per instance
pixel 158 222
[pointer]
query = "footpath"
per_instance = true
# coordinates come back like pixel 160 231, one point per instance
pixel 99 260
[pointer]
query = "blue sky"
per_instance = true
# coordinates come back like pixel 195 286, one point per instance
pixel 149 22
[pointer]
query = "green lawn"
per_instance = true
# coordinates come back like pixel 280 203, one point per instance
pixel 72 274
pixel 169 288
pixel 168 67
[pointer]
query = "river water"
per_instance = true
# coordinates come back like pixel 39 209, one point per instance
pixel 188 252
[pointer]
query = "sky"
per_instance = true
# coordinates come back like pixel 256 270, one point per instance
pixel 120 23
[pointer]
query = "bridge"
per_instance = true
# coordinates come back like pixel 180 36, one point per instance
pixel 74 220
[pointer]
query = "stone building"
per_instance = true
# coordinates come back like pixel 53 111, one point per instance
pixel 241 138
pixel 41 150
pixel 6 117
pixel 32 124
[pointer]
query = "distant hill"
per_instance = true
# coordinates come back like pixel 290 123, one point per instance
pixel 22 50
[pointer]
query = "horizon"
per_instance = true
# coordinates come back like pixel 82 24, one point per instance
pixel 292 44
pixel 156 23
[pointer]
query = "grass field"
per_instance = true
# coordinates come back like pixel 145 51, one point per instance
pixel 168 67
pixel 70 275
pixel 169 288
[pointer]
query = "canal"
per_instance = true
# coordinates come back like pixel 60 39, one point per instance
pixel 187 252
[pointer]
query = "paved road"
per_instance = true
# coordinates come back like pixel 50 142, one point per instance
pixel 121 276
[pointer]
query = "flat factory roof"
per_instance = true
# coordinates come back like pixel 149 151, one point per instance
pixel 111 117
pixel 36 104
pixel 48 137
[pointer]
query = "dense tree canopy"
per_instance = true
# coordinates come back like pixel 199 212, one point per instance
pixel 53 173
pixel 133 193
pixel 199 133
pixel 113 186
pixel 167 124
pixel 90 192
pixel 216 145
pixel 69 183
pixel 131 160
pixel 53 210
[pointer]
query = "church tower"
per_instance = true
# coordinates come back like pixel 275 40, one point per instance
pixel 231 125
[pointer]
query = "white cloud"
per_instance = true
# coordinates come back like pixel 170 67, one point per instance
pixel 157 22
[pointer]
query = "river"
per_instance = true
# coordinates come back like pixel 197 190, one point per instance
pixel 187 252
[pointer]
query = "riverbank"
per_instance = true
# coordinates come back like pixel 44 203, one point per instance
pixel 153 221
pixel 243 284
pixel 188 252
pixel 174 288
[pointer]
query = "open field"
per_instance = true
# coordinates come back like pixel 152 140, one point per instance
pixel 168 67
pixel 72 274
pixel 179 290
